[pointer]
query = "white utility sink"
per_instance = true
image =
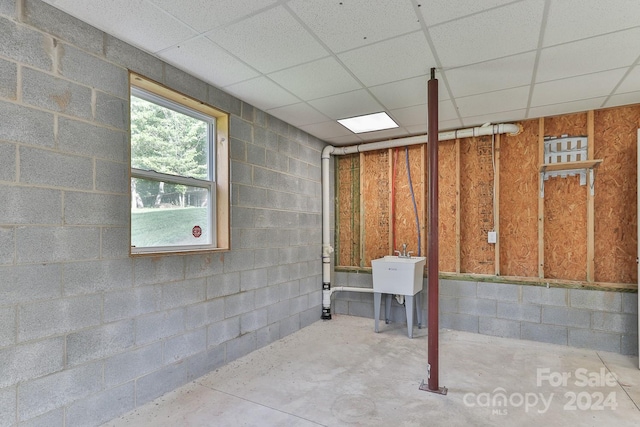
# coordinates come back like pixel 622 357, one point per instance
pixel 396 275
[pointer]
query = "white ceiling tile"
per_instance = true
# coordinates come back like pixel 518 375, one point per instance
pixel 566 107
pixel 419 114
pixel 448 125
pixel 316 79
pixel 442 11
pixel 298 114
pixel 493 34
pixel 576 88
pixel 493 102
pixel 346 105
pixel 269 41
pixel 325 130
pixel 404 93
pixel 205 60
pixel 446 111
pixel 396 59
pixel 417 129
pixel 570 20
pixel 631 82
pixel 589 56
pixel 485 52
pixel 354 23
pixel 496 118
pixel 623 99
pixel 503 73
pixel 204 15
pixel 262 93
pixel 410 116
pixel 443 125
pixel 341 141
pixel 135 21
pixel 383 134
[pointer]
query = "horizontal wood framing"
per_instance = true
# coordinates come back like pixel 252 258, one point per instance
pixel 533 281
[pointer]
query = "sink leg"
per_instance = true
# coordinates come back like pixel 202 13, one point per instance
pixel 387 308
pixel 408 303
pixel 419 308
pixel 377 297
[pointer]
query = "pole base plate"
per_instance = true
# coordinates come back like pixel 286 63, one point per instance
pixel 425 387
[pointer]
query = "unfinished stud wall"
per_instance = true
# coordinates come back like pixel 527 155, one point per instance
pixel 519 203
pixel 616 223
pixel 348 218
pixel 568 237
pixel 406 229
pixel 374 205
pixel 541 241
pixel 87 332
pixel 565 211
pixel 449 194
pixel 476 206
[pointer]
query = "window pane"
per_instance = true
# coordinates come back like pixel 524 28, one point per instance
pixel 167 214
pixel 168 141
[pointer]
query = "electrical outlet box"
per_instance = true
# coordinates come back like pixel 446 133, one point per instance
pixel 492 237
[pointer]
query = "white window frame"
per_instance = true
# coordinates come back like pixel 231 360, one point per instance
pixel 217 183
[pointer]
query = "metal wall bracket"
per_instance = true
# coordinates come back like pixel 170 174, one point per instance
pixel 567 156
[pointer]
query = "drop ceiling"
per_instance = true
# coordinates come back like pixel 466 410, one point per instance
pixel 311 62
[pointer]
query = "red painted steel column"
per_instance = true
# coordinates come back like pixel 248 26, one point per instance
pixel 432 250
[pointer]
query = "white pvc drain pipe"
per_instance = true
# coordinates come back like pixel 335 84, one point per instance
pixel 330 150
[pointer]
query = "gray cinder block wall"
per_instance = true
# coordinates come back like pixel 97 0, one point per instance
pixel 86 332
pixel 598 320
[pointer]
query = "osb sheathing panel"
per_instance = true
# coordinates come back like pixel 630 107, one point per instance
pixel 476 200
pixel 519 176
pixel 348 205
pixel 615 194
pixel 565 211
pixel 565 204
pixel 406 228
pixel 447 202
pixel 375 203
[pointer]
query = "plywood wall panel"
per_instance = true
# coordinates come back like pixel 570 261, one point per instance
pixel 565 211
pixel 569 124
pixel 565 229
pixel 519 177
pixel 447 205
pixel 476 200
pixel 348 210
pixel 405 218
pixel 615 194
pixel 375 195
pixel 363 222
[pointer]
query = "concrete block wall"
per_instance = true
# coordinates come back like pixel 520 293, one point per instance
pixel 88 333
pixel 598 320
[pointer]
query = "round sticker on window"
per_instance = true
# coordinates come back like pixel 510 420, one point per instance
pixel 196 231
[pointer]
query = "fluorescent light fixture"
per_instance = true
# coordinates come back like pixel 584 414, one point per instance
pixel 368 123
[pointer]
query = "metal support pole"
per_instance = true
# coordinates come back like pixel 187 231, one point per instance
pixel 432 250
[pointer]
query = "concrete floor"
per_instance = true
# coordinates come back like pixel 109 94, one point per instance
pixel 341 373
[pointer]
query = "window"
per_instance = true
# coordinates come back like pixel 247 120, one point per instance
pixel 179 172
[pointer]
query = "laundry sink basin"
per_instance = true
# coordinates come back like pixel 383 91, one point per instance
pixel 398 275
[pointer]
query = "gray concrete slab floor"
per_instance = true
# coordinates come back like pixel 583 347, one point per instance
pixel 341 373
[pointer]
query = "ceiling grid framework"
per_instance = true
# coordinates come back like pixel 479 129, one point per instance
pixel 310 63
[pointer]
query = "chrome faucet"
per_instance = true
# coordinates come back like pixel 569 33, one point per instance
pixel 404 253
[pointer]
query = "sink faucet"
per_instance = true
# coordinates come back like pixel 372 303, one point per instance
pixel 404 253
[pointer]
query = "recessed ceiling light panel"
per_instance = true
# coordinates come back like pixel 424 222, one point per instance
pixel 368 123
